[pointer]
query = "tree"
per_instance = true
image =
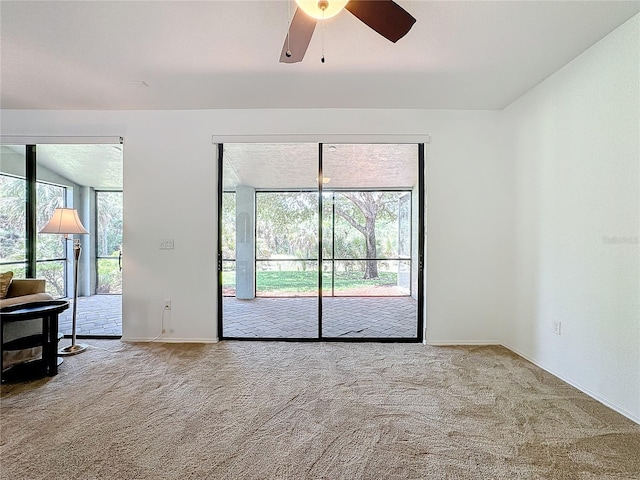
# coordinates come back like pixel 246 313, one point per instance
pixel 286 224
pixel 13 231
pixel 12 218
pixel 109 221
pixel 370 205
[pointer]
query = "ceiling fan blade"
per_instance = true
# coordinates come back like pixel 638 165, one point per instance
pixel 297 41
pixel 384 16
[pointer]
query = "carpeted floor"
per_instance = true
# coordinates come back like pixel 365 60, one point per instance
pixel 261 410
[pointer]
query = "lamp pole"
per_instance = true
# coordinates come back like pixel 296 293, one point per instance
pixel 74 348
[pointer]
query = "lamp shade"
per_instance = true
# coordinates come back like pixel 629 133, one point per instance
pixel 321 9
pixel 64 221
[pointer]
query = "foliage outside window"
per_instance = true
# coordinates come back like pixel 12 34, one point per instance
pixel 50 249
pixel 13 250
pixel 361 235
pixel 109 221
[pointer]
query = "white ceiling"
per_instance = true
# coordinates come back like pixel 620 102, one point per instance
pixel 224 54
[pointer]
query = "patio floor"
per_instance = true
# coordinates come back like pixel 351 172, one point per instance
pixel 97 315
pixel 343 317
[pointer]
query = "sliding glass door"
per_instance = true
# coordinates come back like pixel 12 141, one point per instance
pixel 34 181
pixel 269 241
pixel 367 259
pixel 320 241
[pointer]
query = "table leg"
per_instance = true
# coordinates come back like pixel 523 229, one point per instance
pixel 53 342
pixel 46 344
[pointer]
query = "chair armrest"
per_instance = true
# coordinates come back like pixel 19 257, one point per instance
pixel 26 286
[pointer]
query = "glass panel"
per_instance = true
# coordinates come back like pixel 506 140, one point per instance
pixel 369 267
pixel 229 227
pixel 367 224
pixel 286 225
pixel 54 272
pixel 12 219
pixel 327 225
pixel 109 222
pixel 109 276
pixel 327 279
pixel 52 250
pixel 229 278
pixel 392 280
pixel 19 269
pixel 109 242
pixel 13 230
pixel 270 226
pixel 284 278
pixel 48 198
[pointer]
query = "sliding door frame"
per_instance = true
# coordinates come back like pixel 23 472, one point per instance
pixel 419 338
pixel 31 144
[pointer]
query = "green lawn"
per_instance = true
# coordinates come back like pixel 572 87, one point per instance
pixel 295 281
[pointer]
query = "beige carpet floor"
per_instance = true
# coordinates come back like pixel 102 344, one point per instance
pixel 263 410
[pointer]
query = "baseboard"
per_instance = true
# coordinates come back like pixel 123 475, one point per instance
pixel 461 343
pixel 168 340
pixel 595 396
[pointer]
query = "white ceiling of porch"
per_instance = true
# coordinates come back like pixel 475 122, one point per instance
pixel 295 166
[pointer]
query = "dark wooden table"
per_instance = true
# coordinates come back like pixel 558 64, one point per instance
pixel 47 339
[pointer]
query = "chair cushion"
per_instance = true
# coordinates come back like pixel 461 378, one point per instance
pixel 35 297
pixel 26 286
pixel 5 281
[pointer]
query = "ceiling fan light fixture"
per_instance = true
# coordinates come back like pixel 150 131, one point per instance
pixel 322 9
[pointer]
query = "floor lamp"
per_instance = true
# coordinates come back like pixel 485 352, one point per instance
pixel 65 222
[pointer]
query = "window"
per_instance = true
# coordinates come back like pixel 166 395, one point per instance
pixel 109 242
pixel 50 249
pixel 228 244
pixel 13 250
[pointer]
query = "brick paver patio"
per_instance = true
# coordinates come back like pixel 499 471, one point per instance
pixel 97 315
pixel 345 317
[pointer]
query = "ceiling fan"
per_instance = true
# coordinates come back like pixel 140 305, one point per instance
pixel 384 16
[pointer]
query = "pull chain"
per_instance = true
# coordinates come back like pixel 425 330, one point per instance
pixel 322 58
pixel 288 52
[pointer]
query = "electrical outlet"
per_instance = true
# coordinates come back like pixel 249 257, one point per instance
pixel 556 327
pixel 167 304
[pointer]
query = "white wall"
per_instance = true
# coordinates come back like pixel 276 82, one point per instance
pixel 469 225
pixel 575 141
pixel 170 192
